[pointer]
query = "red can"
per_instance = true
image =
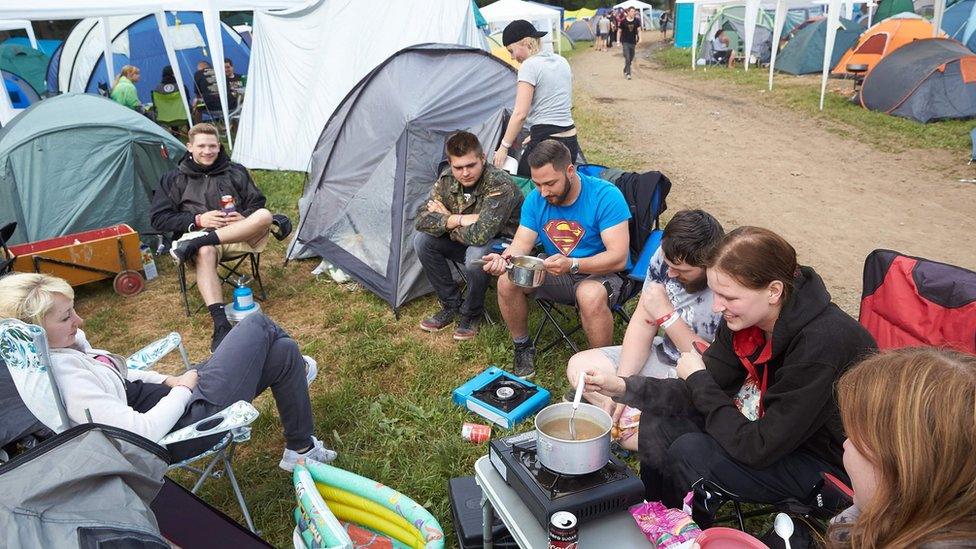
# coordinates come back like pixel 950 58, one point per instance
pixel 563 531
pixel 227 204
pixel 475 432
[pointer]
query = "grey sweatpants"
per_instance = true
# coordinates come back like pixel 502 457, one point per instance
pixel 255 355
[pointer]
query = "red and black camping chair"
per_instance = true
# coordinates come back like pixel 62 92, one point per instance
pixel 909 301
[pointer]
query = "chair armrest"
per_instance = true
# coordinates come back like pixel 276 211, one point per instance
pixel 237 415
pixel 148 356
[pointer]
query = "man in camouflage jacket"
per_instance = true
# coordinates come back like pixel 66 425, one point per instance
pixel 471 204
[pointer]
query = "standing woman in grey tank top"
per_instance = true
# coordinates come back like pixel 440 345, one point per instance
pixel 544 98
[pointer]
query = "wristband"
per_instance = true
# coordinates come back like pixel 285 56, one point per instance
pixel 506 145
pixel 665 318
pixel 196 221
pixel 674 317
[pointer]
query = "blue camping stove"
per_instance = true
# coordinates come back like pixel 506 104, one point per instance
pixel 501 397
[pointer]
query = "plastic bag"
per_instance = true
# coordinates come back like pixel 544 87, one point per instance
pixel 665 528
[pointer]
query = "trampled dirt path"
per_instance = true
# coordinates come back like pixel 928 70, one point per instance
pixel 748 163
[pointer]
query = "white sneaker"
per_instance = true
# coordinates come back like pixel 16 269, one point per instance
pixel 311 369
pixel 179 257
pixel 318 452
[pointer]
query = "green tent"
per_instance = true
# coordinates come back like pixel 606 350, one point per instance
pixel 804 53
pixel 731 19
pixel 27 63
pixel 887 8
pixel 80 161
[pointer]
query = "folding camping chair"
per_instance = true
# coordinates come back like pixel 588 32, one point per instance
pixel 24 350
pixel 644 228
pixel 227 268
pixel 170 112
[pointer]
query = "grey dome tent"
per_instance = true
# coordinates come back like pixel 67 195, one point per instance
pixel 925 80
pixel 581 30
pixel 379 153
pixel 804 53
pixel 79 161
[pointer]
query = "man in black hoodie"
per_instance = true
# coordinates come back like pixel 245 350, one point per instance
pixel 188 203
pixel 757 414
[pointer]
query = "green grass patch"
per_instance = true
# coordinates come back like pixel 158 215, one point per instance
pixel 886 132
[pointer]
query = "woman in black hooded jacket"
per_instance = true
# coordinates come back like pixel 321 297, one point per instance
pixel 757 414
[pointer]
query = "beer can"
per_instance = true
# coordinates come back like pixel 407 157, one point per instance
pixel 227 203
pixel 475 432
pixel 563 532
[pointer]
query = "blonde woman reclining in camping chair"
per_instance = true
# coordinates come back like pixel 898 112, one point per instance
pixel 97 386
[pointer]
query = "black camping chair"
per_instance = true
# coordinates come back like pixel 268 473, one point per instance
pixel 828 497
pixel 646 196
pixel 6 256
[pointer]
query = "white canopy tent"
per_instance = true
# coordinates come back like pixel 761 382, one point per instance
pixel 22 24
pixel 503 12
pixel 305 61
pixel 104 10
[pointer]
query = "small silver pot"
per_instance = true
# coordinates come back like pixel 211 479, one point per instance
pixel 573 457
pixel 526 271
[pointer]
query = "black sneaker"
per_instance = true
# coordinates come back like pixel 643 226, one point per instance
pixel 439 321
pixel 467 328
pixel 219 333
pixel 524 362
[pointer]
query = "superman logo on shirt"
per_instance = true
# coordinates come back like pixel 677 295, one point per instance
pixel 566 235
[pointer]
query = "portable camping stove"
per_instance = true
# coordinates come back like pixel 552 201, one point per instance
pixel 500 397
pixel 611 489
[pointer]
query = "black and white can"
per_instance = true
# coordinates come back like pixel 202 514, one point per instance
pixel 563 532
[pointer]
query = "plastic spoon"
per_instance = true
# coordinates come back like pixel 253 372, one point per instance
pixel 576 403
pixel 783 525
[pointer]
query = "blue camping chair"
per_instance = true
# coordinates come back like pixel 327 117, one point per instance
pixel 562 320
pixel 24 350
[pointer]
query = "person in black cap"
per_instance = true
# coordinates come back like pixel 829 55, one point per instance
pixel 544 98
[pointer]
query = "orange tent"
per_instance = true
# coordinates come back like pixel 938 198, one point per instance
pixel 882 39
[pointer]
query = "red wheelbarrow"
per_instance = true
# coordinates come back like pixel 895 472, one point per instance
pixel 87 256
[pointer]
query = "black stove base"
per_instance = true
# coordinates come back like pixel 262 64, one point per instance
pixel 465 496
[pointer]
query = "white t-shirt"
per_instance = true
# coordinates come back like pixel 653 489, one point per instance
pixel 695 309
pixel 552 101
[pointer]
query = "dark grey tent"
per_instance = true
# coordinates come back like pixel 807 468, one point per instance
pixel 379 153
pixel 928 79
pixel 79 161
pixel 581 30
pixel 803 54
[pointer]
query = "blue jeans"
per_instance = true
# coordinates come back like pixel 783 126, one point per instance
pixel 434 253
pixel 629 50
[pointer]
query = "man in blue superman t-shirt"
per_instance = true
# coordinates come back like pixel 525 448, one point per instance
pixel 581 222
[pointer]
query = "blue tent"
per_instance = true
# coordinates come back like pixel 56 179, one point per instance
pixel 21 94
pixel 46 46
pixel 146 51
pixel 959 22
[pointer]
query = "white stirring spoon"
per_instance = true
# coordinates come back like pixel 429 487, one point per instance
pixel 783 525
pixel 576 403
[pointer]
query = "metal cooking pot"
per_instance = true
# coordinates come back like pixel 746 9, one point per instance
pixel 526 271
pixel 573 457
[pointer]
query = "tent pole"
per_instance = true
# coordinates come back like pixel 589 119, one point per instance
pixel 694 34
pixel 109 61
pixel 937 17
pixel 833 20
pixel 173 62
pixel 29 27
pixel 752 13
pixel 211 21
pixel 871 5
pixel 777 34
pixel 559 36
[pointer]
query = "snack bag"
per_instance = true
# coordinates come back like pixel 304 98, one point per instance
pixel 665 528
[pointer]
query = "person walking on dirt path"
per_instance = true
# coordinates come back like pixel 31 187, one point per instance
pixel 602 31
pixel 664 21
pixel 629 34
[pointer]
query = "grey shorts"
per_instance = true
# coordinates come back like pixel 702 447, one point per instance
pixel 562 288
pixel 658 364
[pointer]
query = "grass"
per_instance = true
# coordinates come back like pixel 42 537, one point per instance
pixel 383 395
pixel 802 94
